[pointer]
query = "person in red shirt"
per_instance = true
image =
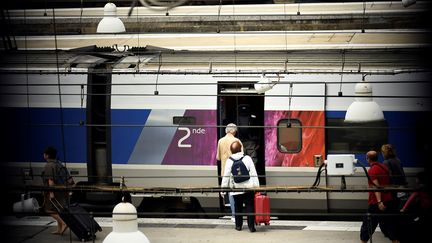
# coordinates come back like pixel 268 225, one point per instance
pixel 378 202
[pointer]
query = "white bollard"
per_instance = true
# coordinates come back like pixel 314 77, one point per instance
pixel 125 226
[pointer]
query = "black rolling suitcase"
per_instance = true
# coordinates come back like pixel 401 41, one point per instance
pixel 78 220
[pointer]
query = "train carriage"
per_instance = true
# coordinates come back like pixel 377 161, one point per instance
pixel 158 126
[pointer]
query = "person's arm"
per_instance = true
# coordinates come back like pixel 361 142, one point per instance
pixel 227 174
pixel 381 205
pixel 49 178
pixel 51 183
pixel 218 153
pixel 253 173
pixel 409 201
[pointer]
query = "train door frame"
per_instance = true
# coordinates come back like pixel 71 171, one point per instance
pixel 231 97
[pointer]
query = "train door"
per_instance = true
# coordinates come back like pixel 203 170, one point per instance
pixel 240 104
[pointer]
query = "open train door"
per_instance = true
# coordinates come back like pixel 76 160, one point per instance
pixel 239 103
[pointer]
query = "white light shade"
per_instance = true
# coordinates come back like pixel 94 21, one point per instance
pixel 263 85
pixel 125 226
pixel 364 109
pixel 110 23
pixel 364 112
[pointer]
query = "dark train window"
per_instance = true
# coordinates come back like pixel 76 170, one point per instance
pixel 355 137
pixel 184 120
pixel 289 136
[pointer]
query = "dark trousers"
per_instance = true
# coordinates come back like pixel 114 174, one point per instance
pixel 375 216
pixel 248 199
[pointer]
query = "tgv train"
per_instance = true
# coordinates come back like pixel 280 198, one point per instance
pixel 163 127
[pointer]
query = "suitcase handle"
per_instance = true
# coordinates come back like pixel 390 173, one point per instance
pixel 260 193
pixel 56 204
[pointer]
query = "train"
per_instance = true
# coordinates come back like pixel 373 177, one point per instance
pixel 158 127
pixel 34 4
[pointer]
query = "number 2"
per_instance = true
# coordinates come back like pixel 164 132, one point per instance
pixel 180 143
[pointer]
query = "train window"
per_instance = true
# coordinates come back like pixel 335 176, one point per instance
pixel 289 136
pixel 355 138
pixel 184 120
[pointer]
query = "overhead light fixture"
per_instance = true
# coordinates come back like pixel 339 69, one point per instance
pixel 264 85
pixel 110 23
pixel 407 3
pixel 364 109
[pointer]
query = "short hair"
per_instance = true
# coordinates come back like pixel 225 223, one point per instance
pixel 235 147
pixel 231 128
pixel 388 151
pixel 372 156
pixel 51 152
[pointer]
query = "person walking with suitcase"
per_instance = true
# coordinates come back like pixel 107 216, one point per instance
pixel 240 172
pixel 51 177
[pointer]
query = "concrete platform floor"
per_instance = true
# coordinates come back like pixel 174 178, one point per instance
pixel 35 229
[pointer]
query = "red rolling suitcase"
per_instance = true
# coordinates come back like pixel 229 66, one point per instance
pixel 262 209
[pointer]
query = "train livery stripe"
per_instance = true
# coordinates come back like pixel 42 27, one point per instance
pixel 28 131
pixel 125 132
pixel 154 139
pixel 194 146
pixel 159 142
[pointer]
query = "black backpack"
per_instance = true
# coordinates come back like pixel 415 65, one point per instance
pixel 239 171
pixel 62 176
pixel 397 174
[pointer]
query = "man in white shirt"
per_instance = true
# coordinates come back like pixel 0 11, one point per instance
pixel 241 197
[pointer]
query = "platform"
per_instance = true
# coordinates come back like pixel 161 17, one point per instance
pixel 37 229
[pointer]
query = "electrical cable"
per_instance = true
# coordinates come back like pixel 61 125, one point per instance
pixel 318 176
pixel 213 83
pixel 218 16
pixel 29 148
pixel 223 94
pixel 156 92
pixel 341 75
pixel 62 132
pixel 80 19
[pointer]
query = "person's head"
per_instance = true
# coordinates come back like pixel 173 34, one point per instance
pixel 372 156
pixel 50 153
pixel 388 151
pixel 235 147
pixel 231 128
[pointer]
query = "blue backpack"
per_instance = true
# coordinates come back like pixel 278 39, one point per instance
pixel 239 171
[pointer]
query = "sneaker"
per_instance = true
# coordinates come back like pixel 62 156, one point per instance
pixel 233 219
